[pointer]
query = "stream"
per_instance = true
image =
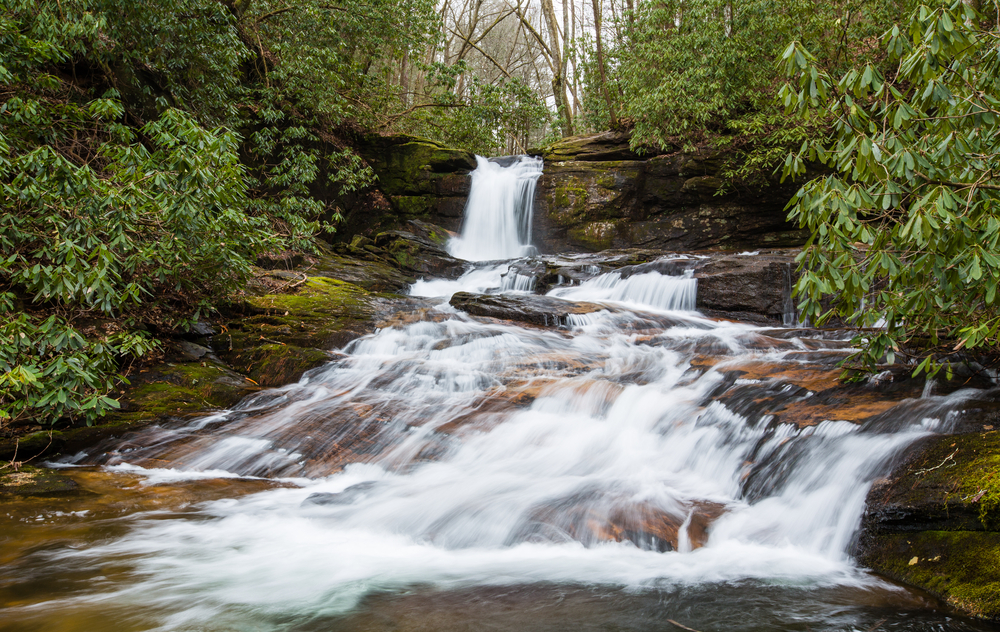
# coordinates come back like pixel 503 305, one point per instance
pixel 624 470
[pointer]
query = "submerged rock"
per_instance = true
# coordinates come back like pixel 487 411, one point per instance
pixel 36 481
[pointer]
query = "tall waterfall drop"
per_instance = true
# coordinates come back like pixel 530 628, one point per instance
pixel 499 210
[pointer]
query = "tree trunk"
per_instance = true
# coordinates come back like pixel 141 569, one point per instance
pixel 600 64
pixel 558 68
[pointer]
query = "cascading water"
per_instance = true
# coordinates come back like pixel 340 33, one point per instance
pixel 650 289
pixel 498 213
pixel 638 465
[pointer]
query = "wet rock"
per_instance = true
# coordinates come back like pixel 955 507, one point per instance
pixel 756 288
pixel 369 269
pixel 535 310
pixel 421 252
pixel 666 267
pixel 934 521
pixel 350 495
pixel 192 351
pixel 592 517
pixel 202 328
pixel 36 481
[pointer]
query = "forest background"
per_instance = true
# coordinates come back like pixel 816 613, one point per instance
pixel 149 151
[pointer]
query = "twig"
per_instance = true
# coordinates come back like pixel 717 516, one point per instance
pixel 683 627
pixel 298 283
pixel 941 464
pixel 14 463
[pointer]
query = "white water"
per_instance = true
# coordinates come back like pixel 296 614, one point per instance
pixel 512 494
pixel 651 290
pixel 498 213
pixel 456 453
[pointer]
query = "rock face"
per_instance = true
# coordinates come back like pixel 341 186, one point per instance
pixel 595 193
pixel 934 522
pixel 420 178
pixel 753 288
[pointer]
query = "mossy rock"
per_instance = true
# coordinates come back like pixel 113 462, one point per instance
pixel 589 147
pixel 954 484
pixel 162 391
pixel 372 272
pixel 935 523
pixel 412 166
pixel 285 335
pixel 276 365
pixel 415 205
pixel 35 481
pixel 961 567
pixel 595 235
pixel 32 445
pixel 179 388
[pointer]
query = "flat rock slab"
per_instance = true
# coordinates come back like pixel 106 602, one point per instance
pixel 532 309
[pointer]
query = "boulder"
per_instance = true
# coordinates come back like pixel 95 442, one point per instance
pixel 589 147
pixel 756 288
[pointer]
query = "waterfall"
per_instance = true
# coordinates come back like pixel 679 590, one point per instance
pixel 499 210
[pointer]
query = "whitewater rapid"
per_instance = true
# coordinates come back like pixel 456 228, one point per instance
pixel 623 450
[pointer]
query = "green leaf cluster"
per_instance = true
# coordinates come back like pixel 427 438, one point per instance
pixel 906 228
pixel 101 215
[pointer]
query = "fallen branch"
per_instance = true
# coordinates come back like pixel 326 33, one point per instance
pixel 941 464
pixel 683 627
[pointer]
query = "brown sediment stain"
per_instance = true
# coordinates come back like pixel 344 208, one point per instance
pixel 488 411
pixel 812 377
pixel 91 512
pixel 855 407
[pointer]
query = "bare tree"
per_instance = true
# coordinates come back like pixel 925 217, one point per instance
pixel 600 63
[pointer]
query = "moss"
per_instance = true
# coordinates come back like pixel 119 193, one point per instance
pixel 179 388
pixel 275 365
pixel 568 204
pixel 962 567
pixel 594 235
pixel 370 273
pixel 290 332
pixel 415 205
pixel 414 166
pixel 35 481
pixel 957 470
pixel 438 237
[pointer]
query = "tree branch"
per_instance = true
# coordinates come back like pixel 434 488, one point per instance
pixel 481 51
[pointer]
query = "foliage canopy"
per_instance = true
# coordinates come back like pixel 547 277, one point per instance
pixel 906 228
